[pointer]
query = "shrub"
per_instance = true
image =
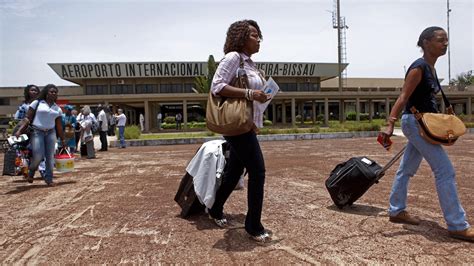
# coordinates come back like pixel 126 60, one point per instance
pixel 320 117
pixel 131 132
pixel 314 129
pixel 351 116
pixel 168 125
pixel 364 116
pixel 197 125
pixel 469 124
pixel 170 120
pixel 267 123
pixel 298 118
pixel 363 127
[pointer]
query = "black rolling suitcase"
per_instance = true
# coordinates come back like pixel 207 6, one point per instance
pixel 186 197
pixel 351 179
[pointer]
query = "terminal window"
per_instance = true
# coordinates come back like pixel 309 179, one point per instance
pixel 121 89
pixel 288 86
pixel 147 88
pixel 308 87
pixel 188 88
pixel 96 89
pixel 171 88
pixel 4 101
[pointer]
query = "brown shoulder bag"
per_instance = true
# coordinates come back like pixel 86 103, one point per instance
pixel 230 116
pixel 438 128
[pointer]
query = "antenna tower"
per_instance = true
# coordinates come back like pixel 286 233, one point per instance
pixel 339 23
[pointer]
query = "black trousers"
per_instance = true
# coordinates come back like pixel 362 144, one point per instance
pixel 103 140
pixel 245 152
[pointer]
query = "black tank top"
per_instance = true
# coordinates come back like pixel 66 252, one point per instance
pixel 423 97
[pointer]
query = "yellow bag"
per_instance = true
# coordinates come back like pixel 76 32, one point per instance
pixel 439 128
pixel 230 116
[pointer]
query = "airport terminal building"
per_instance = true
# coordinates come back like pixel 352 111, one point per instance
pixel 307 90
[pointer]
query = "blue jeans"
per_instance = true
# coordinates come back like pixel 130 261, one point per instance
pixel 245 153
pixel 42 146
pixel 417 149
pixel 122 136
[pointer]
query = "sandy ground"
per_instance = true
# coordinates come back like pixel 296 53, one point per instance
pixel 119 208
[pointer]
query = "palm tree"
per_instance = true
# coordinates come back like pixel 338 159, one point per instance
pixel 462 80
pixel 203 83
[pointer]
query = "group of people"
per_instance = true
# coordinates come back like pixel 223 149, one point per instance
pixel 242 41
pixel 419 90
pixel 44 122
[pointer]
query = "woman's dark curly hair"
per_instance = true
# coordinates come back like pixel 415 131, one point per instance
pixel 44 92
pixel 237 35
pixel 26 92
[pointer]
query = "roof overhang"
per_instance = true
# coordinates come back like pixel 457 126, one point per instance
pixel 78 72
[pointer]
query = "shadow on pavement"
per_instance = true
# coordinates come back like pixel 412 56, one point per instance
pixel 358 209
pixel 43 185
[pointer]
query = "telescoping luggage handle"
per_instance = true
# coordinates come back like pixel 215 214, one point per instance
pixel 390 163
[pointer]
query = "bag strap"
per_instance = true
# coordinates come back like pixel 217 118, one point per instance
pixel 242 74
pixel 447 104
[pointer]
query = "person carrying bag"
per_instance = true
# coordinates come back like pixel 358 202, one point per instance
pixel 243 40
pixel 419 90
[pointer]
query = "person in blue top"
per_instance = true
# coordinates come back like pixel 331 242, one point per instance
pixel 30 93
pixel 46 124
pixel 69 125
pixel 419 90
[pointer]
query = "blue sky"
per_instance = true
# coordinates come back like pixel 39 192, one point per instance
pixel 381 38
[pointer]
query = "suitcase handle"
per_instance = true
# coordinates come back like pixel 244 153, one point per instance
pixel 395 158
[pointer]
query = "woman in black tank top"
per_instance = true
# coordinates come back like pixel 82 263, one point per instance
pixel 421 85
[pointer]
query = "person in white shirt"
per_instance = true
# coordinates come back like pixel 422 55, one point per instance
pixel 121 121
pixel 45 117
pixel 159 118
pixel 142 122
pixel 87 120
pixel 103 127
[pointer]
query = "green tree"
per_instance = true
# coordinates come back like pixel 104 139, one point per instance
pixel 203 83
pixel 462 80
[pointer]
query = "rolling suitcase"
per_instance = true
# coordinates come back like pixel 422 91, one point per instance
pixel 186 197
pixel 351 179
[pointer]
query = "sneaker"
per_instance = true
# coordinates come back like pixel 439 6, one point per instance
pixel 222 222
pixel 264 237
pixel 404 218
pixel 466 234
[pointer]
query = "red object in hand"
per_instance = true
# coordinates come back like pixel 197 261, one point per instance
pixel 384 140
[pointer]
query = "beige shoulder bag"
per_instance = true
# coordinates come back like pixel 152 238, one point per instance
pixel 230 116
pixel 438 128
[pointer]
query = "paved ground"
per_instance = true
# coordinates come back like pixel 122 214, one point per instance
pixel 120 209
